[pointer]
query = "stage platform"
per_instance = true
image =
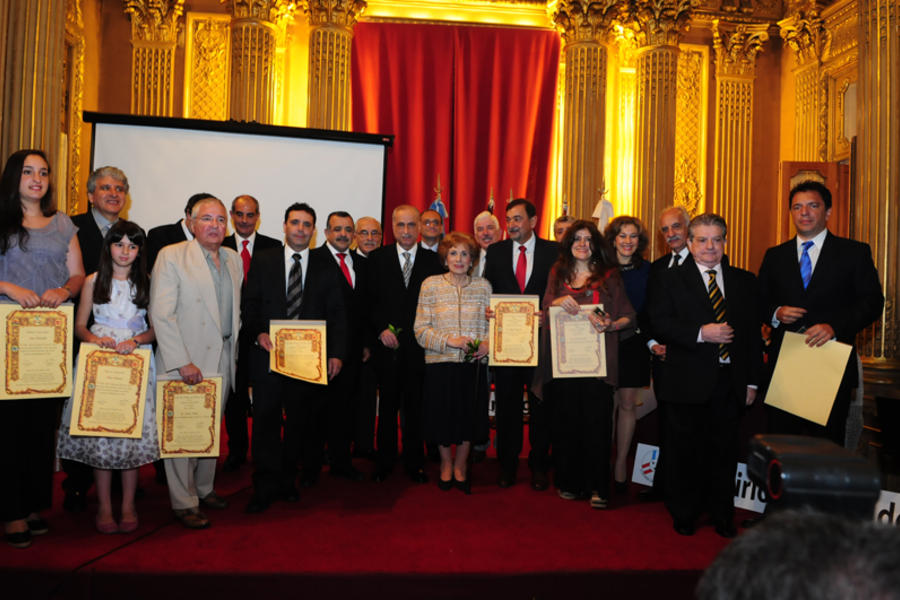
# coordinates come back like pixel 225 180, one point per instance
pixel 394 539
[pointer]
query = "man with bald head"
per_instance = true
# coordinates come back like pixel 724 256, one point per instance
pixel 397 272
pixel 245 241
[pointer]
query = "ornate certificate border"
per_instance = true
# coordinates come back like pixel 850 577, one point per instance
pixel 168 393
pixel 503 306
pixel 90 360
pixel 559 345
pixel 15 319
pixel 314 332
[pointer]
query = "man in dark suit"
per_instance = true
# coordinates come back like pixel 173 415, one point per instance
pixel 165 235
pixel 673 225
pixel 289 283
pixel 397 272
pixel 705 312
pixel 368 238
pixel 520 265
pixel 342 391
pixel 823 284
pixel 107 188
pixel 245 241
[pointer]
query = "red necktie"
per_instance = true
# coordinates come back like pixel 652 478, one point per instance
pixel 345 268
pixel 245 256
pixel 521 268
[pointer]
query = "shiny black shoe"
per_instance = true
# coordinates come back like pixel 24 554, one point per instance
pixel 684 527
pixel 539 481
pixel 465 486
pixel 506 480
pixel 232 463
pixel 37 526
pixel 19 539
pixel 726 530
pixel 290 494
pixel 381 475
pixel 257 504
pixel 349 472
pixel 74 501
pixel 446 486
pixel 620 487
pixel 418 476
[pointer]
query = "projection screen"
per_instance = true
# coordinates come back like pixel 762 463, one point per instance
pixel 168 160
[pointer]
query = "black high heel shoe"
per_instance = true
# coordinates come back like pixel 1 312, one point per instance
pixel 621 487
pixel 446 486
pixel 465 485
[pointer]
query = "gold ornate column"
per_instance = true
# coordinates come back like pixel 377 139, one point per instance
pixel 736 47
pixel 876 215
pixel 332 24
pixel 74 78
pixel 657 25
pixel 258 29
pixel 154 33
pixel 31 76
pixel 805 33
pixel 582 25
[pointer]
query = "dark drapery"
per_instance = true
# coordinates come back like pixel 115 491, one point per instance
pixel 474 105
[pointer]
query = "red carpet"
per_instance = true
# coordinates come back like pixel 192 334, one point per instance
pixel 347 539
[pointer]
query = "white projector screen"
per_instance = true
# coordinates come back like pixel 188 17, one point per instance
pixel 168 160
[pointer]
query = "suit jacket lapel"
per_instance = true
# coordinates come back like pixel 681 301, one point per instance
pixel 827 256
pixel 203 279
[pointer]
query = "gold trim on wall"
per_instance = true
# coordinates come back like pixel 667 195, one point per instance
pixel 691 117
pixel 207 65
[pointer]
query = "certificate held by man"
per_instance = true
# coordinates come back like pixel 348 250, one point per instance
pixel 36 361
pixel 299 350
pixel 188 418
pixel 109 396
pixel 514 330
pixel 577 349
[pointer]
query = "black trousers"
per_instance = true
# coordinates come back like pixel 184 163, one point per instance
pixel 582 415
pixel 510 384
pixel 401 375
pixel 27 448
pixel 237 409
pixel 366 401
pixel 342 396
pixel 298 408
pixel 701 454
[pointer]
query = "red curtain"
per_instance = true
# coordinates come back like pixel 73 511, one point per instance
pixel 474 105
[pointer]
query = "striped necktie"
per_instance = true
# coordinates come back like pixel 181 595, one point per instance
pixel 407 268
pixel 718 304
pixel 806 264
pixel 295 288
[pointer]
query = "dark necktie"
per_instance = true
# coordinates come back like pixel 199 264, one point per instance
pixel 345 268
pixel 521 269
pixel 676 260
pixel 718 304
pixel 245 256
pixel 295 288
pixel 407 268
pixel 806 264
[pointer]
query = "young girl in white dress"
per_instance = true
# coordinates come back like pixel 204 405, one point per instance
pixel 117 295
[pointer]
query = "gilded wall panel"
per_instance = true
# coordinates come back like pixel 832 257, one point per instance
pixel 690 128
pixel 207 66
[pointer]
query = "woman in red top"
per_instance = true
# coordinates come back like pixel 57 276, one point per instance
pixel 586 273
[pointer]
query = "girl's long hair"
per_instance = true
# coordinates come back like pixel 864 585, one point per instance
pixel 11 213
pixel 140 281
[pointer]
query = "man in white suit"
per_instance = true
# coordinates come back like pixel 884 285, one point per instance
pixel 195 311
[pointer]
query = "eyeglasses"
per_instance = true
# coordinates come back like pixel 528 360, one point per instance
pixel 108 188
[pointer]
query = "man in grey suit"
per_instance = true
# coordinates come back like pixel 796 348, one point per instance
pixel 195 310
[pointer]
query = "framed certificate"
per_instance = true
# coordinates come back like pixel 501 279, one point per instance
pixel 188 418
pixel 109 397
pixel 36 361
pixel 514 331
pixel 300 351
pixel 576 348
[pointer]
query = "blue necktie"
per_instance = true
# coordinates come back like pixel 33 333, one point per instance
pixel 806 264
